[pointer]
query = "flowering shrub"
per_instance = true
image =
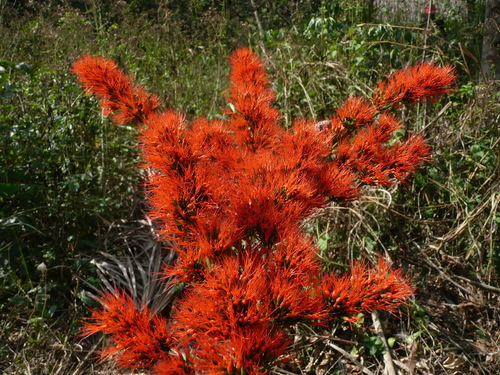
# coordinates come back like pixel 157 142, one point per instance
pixel 231 194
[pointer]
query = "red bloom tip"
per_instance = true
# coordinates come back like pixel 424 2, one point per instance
pixel 137 338
pixel 366 289
pixel 175 365
pixel 117 92
pixel 356 112
pixel 250 351
pixel 414 84
pixel 254 119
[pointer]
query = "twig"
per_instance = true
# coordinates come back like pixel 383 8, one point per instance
pixel 257 19
pixel 479 284
pixel 350 342
pixel 350 357
pixel 84 361
pixel 391 26
pixel 308 98
pixel 282 371
pixel 402 366
pixel 470 217
pixel 427 28
pixel 441 112
pixel 440 271
pixel 377 325
pixel 423 48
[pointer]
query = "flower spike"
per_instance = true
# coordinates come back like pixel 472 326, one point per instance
pixel 231 195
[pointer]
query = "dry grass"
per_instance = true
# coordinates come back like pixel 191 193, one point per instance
pixel 451 327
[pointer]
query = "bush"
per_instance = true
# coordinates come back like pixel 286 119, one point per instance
pixel 230 194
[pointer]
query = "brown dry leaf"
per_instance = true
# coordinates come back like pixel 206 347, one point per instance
pixel 453 362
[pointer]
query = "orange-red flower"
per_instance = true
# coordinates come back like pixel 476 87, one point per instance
pixel 251 351
pixel 252 117
pixel 374 160
pixel 138 338
pixel 356 112
pixel 230 195
pixel 422 81
pixel 175 365
pixel 118 94
pixel 365 289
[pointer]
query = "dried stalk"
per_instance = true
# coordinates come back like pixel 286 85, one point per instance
pixel 377 325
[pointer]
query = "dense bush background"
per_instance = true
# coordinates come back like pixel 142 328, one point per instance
pixel 68 178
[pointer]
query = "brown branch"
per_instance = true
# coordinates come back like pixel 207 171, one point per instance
pixel 350 357
pixel 377 325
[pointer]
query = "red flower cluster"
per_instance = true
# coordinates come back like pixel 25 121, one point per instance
pixel 365 289
pixel 422 81
pixel 119 96
pixel 231 194
pixel 139 339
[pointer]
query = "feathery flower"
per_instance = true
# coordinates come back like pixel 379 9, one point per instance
pixel 254 118
pixel 138 338
pixel 118 94
pixel 175 365
pixel 422 81
pixel 369 155
pixel 356 112
pixel 365 289
pixel 250 351
pixel 231 194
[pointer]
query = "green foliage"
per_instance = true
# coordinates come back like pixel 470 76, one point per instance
pixel 66 173
pixel 63 172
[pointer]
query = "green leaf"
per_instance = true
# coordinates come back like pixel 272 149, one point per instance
pixel 20 301
pixel 9 189
pixel 51 311
pixel 323 242
pixel 86 299
pixel 391 341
